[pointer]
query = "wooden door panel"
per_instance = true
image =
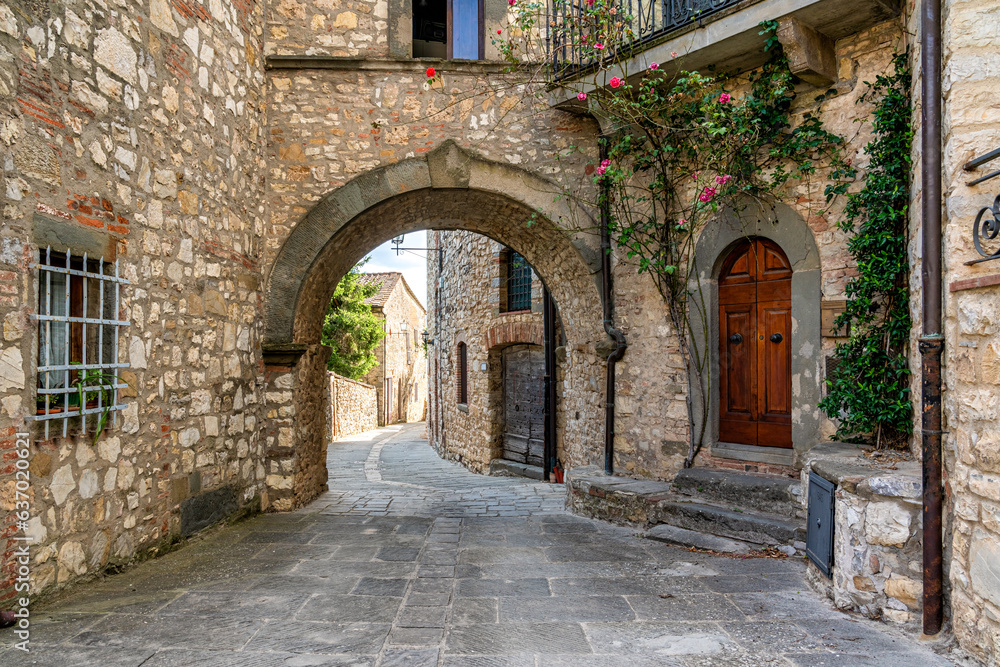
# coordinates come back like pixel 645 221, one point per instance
pixel 755 372
pixel 774 435
pixel 775 332
pixel 523 369
pixel 737 294
pixel 774 290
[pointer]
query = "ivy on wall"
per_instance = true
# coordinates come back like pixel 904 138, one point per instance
pixel 868 388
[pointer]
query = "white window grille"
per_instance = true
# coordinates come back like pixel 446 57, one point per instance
pixel 79 330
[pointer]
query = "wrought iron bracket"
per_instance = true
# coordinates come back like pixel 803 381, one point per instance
pixel 987 224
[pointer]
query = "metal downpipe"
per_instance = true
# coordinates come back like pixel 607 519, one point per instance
pixel 932 340
pixel 549 325
pixel 616 334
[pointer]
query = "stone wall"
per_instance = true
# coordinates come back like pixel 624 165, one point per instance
pixel 353 407
pixel 464 307
pixel 135 131
pixel 971 441
pixel 877 554
pixel 401 357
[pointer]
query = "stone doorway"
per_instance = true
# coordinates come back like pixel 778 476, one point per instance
pixel 523 369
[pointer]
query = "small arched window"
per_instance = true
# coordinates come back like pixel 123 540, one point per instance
pixel 462 373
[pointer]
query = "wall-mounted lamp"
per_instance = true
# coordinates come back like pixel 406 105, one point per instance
pixel 427 337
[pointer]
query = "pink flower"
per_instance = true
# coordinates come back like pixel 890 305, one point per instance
pixel 654 66
pixel 581 96
pixel 511 2
pixel 590 3
pixel 673 54
pixel 681 222
pixel 722 180
pixel 598 46
pixel 615 82
pixel 604 167
pixel 695 175
pixel 724 97
pixel 706 195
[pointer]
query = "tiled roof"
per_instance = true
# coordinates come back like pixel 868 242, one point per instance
pixel 388 281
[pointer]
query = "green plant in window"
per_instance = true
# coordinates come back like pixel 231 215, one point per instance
pixel 96 386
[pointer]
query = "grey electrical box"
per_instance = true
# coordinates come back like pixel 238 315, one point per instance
pixel 819 531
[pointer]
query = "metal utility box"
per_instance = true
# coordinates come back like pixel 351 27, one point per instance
pixel 819 530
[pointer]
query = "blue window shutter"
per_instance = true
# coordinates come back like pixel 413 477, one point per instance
pixel 465 29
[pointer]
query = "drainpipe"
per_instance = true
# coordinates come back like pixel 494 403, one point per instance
pixel 549 326
pixel 609 325
pixel 932 340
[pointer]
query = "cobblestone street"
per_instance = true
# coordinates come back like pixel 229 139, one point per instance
pixel 411 560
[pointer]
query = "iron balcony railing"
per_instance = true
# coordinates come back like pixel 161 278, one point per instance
pixel 650 19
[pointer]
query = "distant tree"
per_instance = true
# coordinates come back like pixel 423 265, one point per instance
pixel 350 327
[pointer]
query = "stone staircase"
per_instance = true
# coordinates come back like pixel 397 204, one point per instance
pixel 704 508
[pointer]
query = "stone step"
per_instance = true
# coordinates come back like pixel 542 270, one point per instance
pixel 771 494
pixel 691 538
pixel 754 527
pixel 505 468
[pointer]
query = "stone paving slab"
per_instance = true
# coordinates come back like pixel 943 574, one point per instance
pixel 408 561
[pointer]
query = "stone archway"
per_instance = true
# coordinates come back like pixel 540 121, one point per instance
pixel 788 230
pixel 449 188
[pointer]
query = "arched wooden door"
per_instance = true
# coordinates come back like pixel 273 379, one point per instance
pixel 755 345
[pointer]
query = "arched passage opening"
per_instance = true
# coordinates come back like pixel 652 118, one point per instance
pixel 449 189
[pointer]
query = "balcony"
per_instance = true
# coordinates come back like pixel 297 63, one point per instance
pixel 723 34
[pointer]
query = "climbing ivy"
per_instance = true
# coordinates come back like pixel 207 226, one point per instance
pixel 868 389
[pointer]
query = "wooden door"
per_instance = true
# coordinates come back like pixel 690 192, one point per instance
pixel 755 346
pixel 524 404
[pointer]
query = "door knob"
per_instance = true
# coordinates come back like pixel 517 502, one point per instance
pixel 736 338
pixel 776 338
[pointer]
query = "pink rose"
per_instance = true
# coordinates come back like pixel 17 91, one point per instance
pixel 673 54
pixel 604 167
pixel 511 2
pixel 681 222
pixel 581 96
pixel 598 46
pixel 722 180
pixel 615 82
pixel 706 195
pixel 724 97
pixel 654 66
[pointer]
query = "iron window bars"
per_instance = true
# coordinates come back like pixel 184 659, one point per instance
pixel 79 332
pixel 518 283
pixel 651 19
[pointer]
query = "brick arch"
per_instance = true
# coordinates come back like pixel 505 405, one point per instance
pixel 448 188
pixel 509 333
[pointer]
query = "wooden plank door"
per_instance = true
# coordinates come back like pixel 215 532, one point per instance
pixel 755 352
pixel 524 404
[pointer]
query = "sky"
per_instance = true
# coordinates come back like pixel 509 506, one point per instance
pixel 412 264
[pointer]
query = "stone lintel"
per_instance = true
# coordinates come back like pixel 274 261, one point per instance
pixel 811 55
pixel 283 354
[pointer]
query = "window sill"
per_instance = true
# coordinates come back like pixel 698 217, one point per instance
pixel 463 407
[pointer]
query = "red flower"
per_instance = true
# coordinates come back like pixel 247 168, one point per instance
pixel 706 195
pixel 430 72
pixel 724 97
pixel 615 82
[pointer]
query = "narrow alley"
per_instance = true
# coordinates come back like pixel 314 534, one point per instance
pixel 410 560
